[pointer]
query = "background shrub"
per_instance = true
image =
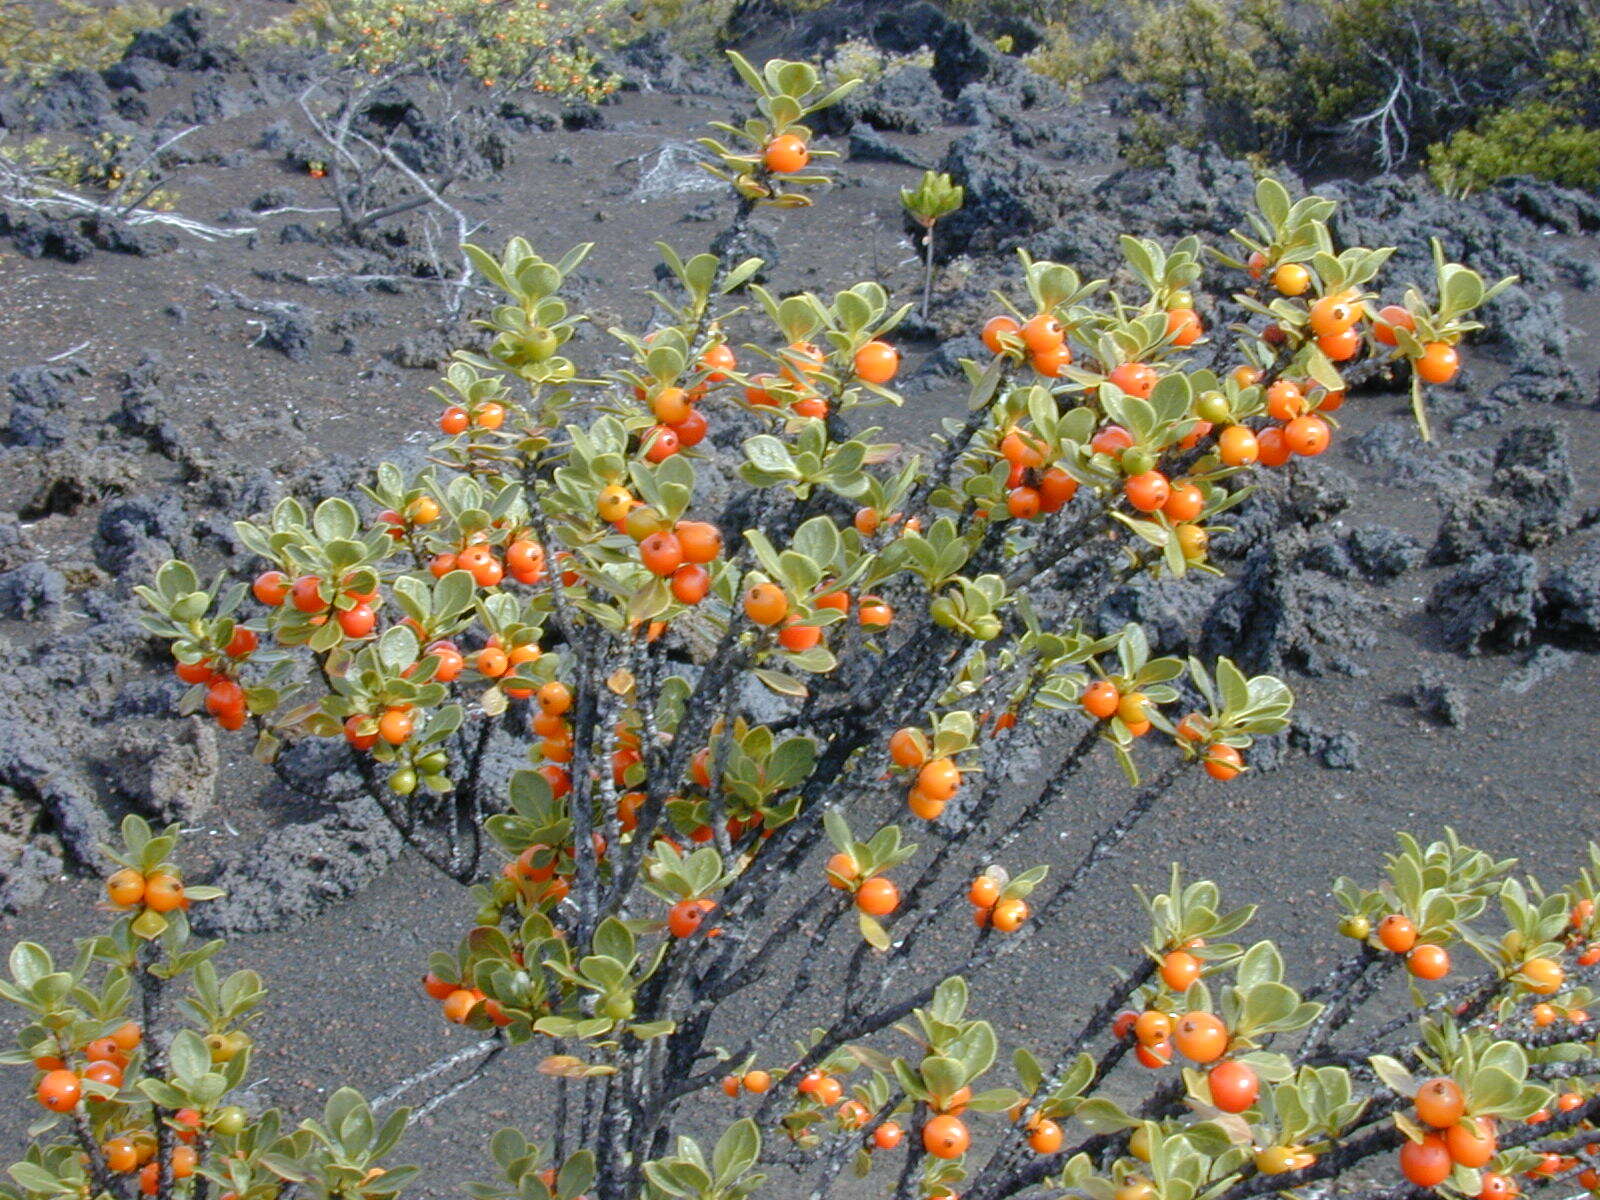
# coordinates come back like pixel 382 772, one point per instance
pixel 37 40
pixel 1494 89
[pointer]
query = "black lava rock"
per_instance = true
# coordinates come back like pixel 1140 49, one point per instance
pixel 1491 602
pixel 1527 501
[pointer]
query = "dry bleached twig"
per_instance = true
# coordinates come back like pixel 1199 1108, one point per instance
pixel 29 190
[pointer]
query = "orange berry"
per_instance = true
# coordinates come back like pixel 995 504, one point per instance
pixel 1284 401
pixel 1440 1103
pixel 1307 436
pixel 939 779
pixel 1234 1086
pixel 1045 1137
pixel 1237 446
pixel 271 588
pixel 1136 379
pixel 700 541
pixel 1100 699
pixel 1333 315
pixel 1291 279
pixel 121 1155
pixel 1042 333
pixel 841 871
pixel 1273 447
pixel 659 443
pixel 945 1136
pixel 786 154
pixel 797 637
pixel 1051 362
pixel 395 726
pixel 765 604
pixel 1428 962
pixel 125 888
pixel 1151 1027
pixel 1179 969
pixel 1472 1147
pixel 984 892
pixel 1542 976
pixel 1056 488
pixel 1223 762
pixel 163 893
pixel 59 1090
pixel 458 1005
pixel 994 328
pixel 661 554
pixel 874 613
pixel 877 362
pixel 1391 317
pixel 671 405
pixel 1008 915
pixel 1147 491
pixel 1184 327
pixel 1200 1036
pixel 905 748
pixel 1425 1163
pixel 690 584
pixel 1397 933
pixel 1438 364
pixel 878 896
pixel 1342 345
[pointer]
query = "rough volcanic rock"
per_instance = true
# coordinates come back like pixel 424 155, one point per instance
pixel 1490 602
pixel 1275 615
pixel 31 592
pixel 30 858
pixel 187 42
pixel 1526 502
pixel 166 768
pixel 1436 698
pixel 75 99
pixel 1007 197
pixel 1336 749
pixel 867 145
pixel 292 873
pixel 906 100
pixel 1570 599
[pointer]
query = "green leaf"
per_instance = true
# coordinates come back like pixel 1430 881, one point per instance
pixel 736 1151
pixel 29 963
pixel 1272 198
pixel 873 933
pixel 188 1055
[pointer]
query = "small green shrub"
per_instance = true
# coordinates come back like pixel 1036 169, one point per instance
pixel 1498 87
pixel 694 28
pixel 1217 70
pixel 106 165
pixel 505 47
pixel 1537 139
pixel 1073 60
pixel 37 40
pixel 1556 137
pixel 859 59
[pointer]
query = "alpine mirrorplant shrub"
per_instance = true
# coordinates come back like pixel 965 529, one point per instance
pixel 764 691
pixel 141 1054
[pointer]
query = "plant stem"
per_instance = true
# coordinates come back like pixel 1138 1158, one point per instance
pixel 927 274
